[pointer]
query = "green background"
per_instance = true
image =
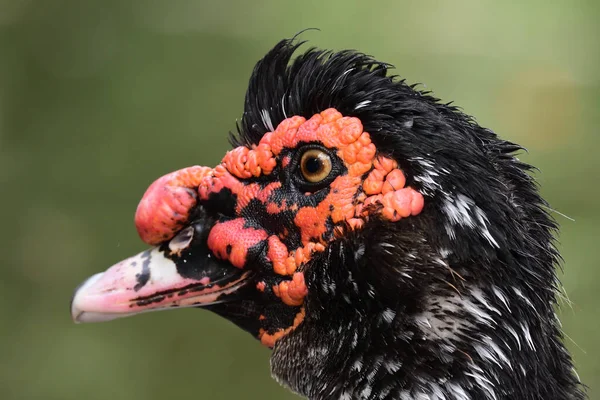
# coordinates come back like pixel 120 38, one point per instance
pixel 99 98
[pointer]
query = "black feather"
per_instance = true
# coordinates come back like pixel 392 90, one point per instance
pixel 480 256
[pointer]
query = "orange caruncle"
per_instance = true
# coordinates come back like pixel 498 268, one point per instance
pixel 165 207
pixel 278 254
pixel 292 292
pixel 231 240
pixel 372 183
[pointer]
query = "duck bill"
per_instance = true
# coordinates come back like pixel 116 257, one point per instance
pixel 156 279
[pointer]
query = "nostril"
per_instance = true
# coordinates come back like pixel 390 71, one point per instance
pixel 182 240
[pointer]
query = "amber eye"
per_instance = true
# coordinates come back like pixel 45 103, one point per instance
pixel 315 165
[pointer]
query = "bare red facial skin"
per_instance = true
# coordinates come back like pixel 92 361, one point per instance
pixel 166 205
pixel 230 240
pixel 351 201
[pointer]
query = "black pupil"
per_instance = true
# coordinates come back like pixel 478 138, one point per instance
pixel 313 165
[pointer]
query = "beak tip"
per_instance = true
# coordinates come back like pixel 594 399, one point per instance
pixel 77 313
pixel 76 318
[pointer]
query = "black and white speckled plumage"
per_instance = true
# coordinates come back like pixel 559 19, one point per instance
pixel 456 303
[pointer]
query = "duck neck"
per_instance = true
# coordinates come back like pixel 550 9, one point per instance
pixel 484 343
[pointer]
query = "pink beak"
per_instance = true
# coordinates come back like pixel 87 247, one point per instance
pixel 180 273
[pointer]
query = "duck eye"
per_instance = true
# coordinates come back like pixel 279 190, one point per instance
pixel 315 165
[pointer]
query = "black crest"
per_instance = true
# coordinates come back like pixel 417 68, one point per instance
pixel 353 83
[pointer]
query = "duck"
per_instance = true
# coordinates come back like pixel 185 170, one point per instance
pixel 380 242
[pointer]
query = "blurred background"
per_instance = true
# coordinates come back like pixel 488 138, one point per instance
pixel 99 98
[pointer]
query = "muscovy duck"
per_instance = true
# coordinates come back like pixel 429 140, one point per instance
pixel 383 244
